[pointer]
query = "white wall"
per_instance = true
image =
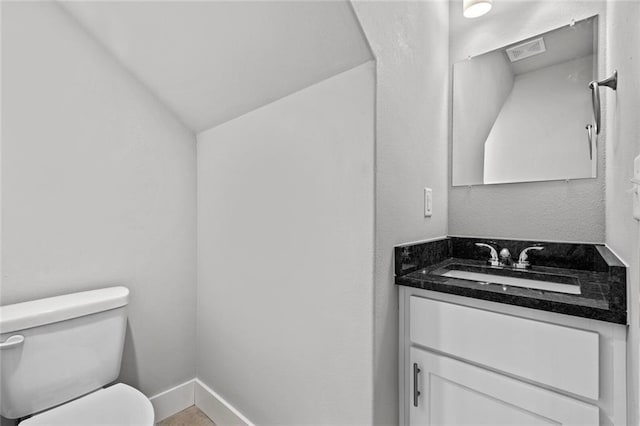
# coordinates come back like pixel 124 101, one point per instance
pixel 285 255
pixel 540 131
pixel 623 232
pixel 98 188
pixel 409 40
pixel 480 88
pixel 528 210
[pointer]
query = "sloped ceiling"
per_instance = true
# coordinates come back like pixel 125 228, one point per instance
pixel 212 61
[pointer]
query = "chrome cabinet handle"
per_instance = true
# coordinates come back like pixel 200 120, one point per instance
pixel 416 392
pixel 589 128
pixel 12 342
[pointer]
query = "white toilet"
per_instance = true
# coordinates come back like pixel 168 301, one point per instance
pixel 56 354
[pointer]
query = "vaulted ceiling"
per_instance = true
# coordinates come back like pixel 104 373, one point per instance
pixel 212 61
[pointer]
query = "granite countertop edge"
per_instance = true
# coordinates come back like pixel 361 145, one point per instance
pixel 618 317
pixel 605 283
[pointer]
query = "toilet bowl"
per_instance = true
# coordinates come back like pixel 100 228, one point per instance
pixel 58 354
pixel 119 404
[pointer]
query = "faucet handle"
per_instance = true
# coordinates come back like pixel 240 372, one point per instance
pixel 522 259
pixel 494 254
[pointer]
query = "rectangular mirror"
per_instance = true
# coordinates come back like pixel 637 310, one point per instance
pixel 520 112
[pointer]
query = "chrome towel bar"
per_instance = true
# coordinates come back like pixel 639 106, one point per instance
pixel 610 82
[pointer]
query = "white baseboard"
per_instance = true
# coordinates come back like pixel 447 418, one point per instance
pixel 216 408
pixel 174 400
pixel 194 392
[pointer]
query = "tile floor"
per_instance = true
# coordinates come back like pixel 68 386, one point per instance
pixel 192 416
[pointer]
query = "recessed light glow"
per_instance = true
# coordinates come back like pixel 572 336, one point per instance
pixel 475 8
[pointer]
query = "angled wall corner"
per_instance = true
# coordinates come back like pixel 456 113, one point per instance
pixel 285 255
pixel 99 182
pixel 213 61
pixel 410 43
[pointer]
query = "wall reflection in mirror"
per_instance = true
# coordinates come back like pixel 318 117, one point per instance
pixel 520 112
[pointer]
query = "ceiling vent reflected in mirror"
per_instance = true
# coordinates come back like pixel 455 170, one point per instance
pixel 526 50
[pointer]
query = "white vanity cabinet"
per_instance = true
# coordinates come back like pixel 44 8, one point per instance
pixel 471 362
pixel 453 392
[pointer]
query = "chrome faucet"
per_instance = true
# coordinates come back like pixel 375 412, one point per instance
pixel 494 254
pixel 505 257
pixel 523 263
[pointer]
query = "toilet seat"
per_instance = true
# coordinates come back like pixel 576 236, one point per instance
pixel 117 405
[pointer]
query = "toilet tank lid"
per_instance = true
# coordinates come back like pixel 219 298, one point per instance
pixel 34 313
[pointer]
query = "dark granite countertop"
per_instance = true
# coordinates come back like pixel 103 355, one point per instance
pixel 600 275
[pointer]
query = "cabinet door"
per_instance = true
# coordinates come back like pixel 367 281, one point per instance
pixel 452 392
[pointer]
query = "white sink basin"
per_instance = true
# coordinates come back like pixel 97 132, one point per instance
pixel 517 282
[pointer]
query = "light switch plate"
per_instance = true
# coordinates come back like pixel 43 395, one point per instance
pixel 428 202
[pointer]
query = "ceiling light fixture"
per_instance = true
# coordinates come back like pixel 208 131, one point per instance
pixel 476 8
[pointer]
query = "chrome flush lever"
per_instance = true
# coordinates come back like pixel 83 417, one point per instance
pixel 12 342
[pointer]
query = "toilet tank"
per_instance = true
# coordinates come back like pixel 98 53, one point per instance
pixel 56 349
